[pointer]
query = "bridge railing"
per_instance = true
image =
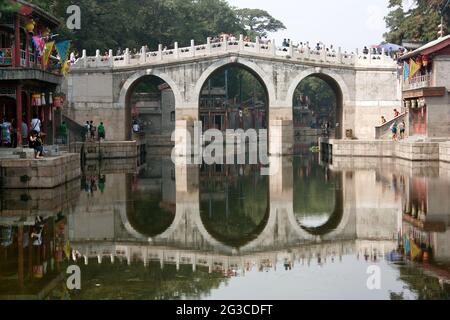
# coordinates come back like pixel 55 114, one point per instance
pixel 302 53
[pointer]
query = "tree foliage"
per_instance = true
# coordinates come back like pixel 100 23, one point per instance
pixel 417 23
pixel 258 22
pixel 132 24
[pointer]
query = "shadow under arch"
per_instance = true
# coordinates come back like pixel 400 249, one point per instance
pixel 336 216
pixel 130 84
pixel 337 85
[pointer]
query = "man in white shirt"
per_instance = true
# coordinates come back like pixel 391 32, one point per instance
pixel 36 124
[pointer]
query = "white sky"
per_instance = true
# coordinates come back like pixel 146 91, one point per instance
pixel 347 23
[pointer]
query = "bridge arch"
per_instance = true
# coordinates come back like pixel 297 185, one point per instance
pixel 129 85
pixel 336 83
pixel 248 65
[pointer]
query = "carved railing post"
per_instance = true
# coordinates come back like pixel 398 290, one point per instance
pixel 274 47
pixel 160 53
pixel 126 56
pixel 111 57
pixel 84 58
pixel 143 57
pixel 98 58
pixel 193 47
pixel 339 55
pixel 258 45
pixel 208 45
pixel 176 52
pixel 290 49
pixel 241 42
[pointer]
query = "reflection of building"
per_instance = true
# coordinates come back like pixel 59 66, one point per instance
pixel 425 89
pixel 32 257
pixel 26 86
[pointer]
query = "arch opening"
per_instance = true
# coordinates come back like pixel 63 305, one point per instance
pixel 317 109
pixel 149 109
pixel 234 97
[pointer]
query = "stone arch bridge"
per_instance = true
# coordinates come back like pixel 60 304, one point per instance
pixel 366 85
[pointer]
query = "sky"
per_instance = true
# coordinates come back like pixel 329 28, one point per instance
pixel 349 24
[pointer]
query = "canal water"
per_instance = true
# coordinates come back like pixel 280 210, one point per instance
pixel 350 229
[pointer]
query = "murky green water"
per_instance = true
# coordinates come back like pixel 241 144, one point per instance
pixel 160 231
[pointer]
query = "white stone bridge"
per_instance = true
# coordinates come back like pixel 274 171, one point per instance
pixel 366 85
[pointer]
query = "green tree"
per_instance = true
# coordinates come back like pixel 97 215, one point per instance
pixel 418 23
pixel 258 22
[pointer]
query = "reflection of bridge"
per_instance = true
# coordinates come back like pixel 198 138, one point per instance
pixel 107 219
pixel 304 254
pixel 365 85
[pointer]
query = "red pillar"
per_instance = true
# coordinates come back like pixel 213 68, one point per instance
pixel 19 114
pixel 29 109
pixel 17 41
pixel 27 55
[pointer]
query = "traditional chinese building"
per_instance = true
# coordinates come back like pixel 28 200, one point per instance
pixel 426 87
pixel 26 86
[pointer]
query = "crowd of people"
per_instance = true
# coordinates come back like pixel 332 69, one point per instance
pixel 91 130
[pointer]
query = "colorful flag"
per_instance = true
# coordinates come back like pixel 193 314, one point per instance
pixel 414 67
pixel 405 71
pixel 47 52
pixel 63 50
pixel 39 42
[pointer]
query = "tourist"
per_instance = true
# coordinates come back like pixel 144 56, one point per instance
pixel 394 130
pixel 365 50
pixel 87 127
pixel 136 127
pixel 101 132
pixel 396 113
pixel 6 133
pixel 36 144
pixel 92 130
pixel 36 123
pixel 383 120
pixel 63 132
pixel 402 127
pixel 24 133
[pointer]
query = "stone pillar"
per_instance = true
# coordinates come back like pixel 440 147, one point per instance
pixel 127 56
pixel 84 58
pixel 241 42
pixel 274 47
pixel 257 45
pixel 185 135
pixel 339 55
pixel 281 133
pixel 208 45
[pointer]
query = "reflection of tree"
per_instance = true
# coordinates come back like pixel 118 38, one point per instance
pixel 426 287
pixel 312 192
pixel 138 282
pixel 234 215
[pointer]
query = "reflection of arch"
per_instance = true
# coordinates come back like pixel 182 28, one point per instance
pixel 233 242
pixel 252 67
pixel 336 83
pixel 132 81
pixel 335 218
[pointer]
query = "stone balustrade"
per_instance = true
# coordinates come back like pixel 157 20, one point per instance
pixel 257 48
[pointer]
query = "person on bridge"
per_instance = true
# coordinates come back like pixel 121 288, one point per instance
pixel 101 132
pixel 383 120
pixel 394 130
